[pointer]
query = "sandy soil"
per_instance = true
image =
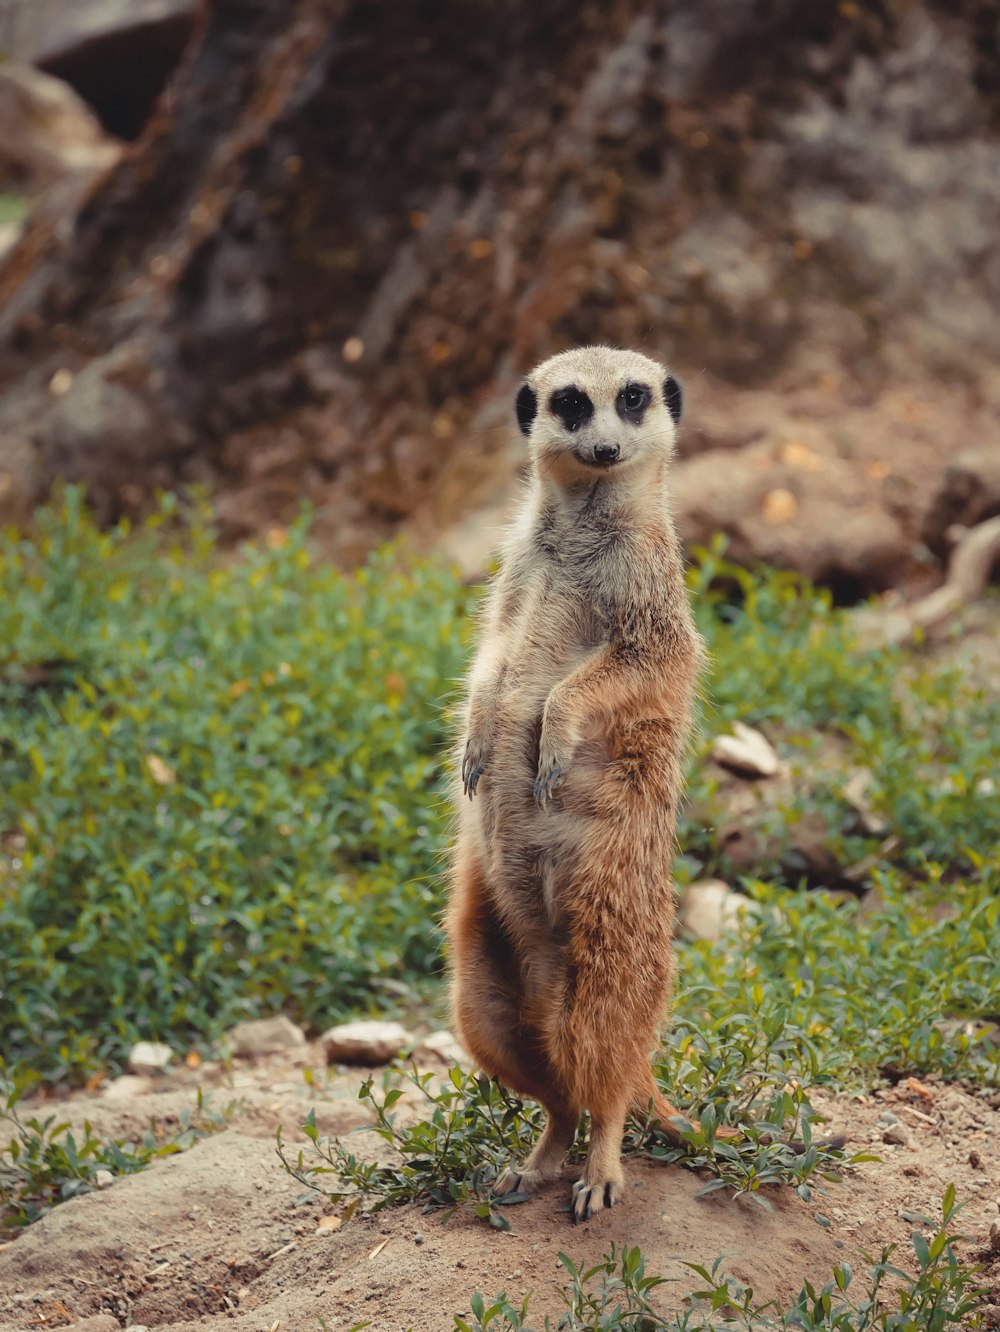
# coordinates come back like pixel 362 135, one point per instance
pixel 219 1236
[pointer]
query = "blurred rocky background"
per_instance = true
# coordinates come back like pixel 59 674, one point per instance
pixel 304 249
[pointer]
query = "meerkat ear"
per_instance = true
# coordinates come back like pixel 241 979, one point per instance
pixel 526 406
pixel 673 397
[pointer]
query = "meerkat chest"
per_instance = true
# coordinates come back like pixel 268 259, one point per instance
pixel 548 629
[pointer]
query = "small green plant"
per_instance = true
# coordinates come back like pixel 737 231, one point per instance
pixel 450 1159
pixel 500 1315
pixel 45 1163
pixel 616 1295
pixel 613 1294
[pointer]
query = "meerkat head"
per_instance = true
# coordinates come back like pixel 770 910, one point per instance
pixel 597 411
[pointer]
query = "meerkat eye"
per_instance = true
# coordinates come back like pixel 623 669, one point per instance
pixel 572 406
pixel 632 402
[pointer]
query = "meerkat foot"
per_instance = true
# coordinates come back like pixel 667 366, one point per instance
pixel 589 1199
pixel 521 1179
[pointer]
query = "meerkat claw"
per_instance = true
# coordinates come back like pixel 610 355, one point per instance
pixel 589 1199
pixel 546 782
pixel 473 766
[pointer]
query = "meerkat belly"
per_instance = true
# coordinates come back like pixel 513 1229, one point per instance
pixel 531 851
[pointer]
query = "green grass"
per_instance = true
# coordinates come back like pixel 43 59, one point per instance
pixel 221 796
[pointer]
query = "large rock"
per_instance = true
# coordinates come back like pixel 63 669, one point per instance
pixel 331 312
pixel 796 508
pixel 49 132
pixel 710 907
pixel 118 54
pixel 366 1042
pixel 262 1036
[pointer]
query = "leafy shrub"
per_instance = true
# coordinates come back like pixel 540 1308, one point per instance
pixel 219 781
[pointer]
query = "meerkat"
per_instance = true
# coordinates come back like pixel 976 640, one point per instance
pixel 568 773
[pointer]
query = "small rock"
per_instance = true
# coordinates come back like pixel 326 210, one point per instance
pixel 896 1135
pixel 103 1179
pixel 746 752
pixel 99 1323
pixel 149 1057
pixel 887 1117
pixel 365 1042
pixel 441 1047
pixel 975 1160
pixel 418 1238
pixel 127 1086
pixel 855 792
pixel 262 1036
pixel 995 1236
pixel 710 907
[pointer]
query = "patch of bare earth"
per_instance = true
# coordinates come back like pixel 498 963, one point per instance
pixel 219 1236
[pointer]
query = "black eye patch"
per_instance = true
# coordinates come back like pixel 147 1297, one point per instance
pixel 673 397
pixel 526 407
pixel 632 402
pixel 572 406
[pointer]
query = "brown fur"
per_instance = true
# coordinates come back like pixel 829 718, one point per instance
pixel 576 722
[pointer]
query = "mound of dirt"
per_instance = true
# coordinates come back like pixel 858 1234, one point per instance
pixel 220 1237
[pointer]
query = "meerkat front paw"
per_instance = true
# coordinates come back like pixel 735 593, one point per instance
pixel 589 1199
pixel 551 774
pixel 474 764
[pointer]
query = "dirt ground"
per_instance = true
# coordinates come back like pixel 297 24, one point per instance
pixel 220 1237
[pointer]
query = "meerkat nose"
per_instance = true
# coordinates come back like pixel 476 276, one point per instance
pixel 606 453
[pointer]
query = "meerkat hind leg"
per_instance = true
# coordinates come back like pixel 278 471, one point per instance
pixel 602 1183
pixel 546 1157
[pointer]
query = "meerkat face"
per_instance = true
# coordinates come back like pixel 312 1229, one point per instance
pixel 598 411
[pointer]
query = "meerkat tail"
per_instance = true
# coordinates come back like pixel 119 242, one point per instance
pixel 664 1113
